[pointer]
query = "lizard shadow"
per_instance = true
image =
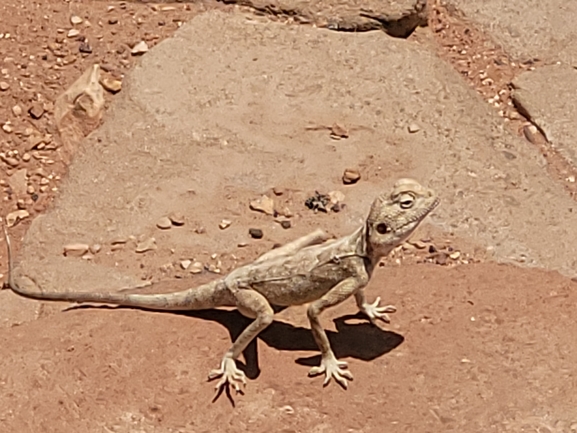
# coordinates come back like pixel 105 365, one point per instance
pixel 359 340
pixel 351 340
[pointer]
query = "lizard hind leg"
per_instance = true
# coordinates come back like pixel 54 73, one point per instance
pixel 251 304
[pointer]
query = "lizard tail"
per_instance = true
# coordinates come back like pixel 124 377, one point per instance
pixel 210 295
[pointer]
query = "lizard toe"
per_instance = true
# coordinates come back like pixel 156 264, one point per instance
pixel 229 374
pixel 333 368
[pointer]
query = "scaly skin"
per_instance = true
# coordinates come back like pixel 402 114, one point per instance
pixel 311 269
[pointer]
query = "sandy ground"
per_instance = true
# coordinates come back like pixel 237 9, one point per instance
pixel 474 347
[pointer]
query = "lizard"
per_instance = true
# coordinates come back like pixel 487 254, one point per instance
pixel 314 269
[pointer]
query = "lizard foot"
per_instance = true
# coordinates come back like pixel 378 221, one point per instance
pixel 374 312
pixel 229 374
pixel 332 367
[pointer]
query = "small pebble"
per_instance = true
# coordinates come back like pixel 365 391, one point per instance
pixel 455 255
pixel 36 111
pixel 95 249
pixel 4 86
pixel 413 127
pixel 147 245
pixel 176 218
pixel 196 268
pixel 255 233
pixel 351 176
pixel 77 249
pixel 224 224
pixel 185 264
pixel 75 19
pixel 278 191
pixel 72 33
pixel 419 245
pixel 530 132
pixel 111 85
pixel 17 110
pixel 164 223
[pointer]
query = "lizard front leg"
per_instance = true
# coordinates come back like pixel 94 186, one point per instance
pixel 330 365
pixel 251 304
pixel 373 311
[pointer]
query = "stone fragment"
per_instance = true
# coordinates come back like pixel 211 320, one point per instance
pixel 72 33
pixel 11 161
pixel 185 264
pixel 76 249
pixel 146 245
pixel 13 217
pixel 413 127
pixel 111 85
pixel 18 182
pixel 318 202
pixel 338 131
pixel 75 19
pixel 78 110
pixel 336 200
pixel 4 86
pixel 263 204
pixel 85 47
pixel 139 48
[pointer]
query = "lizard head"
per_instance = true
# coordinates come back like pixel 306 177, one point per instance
pixel 394 216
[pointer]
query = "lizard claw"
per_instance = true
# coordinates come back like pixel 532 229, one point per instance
pixel 229 374
pixel 332 367
pixel 374 312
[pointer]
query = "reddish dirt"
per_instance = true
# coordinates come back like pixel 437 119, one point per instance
pixel 472 348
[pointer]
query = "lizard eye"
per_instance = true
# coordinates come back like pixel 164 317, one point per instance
pixel 407 201
pixel 382 228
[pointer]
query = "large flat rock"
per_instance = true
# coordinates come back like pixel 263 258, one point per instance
pixel 219 113
pixel 528 28
pixel 548 97
pixel 397 18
